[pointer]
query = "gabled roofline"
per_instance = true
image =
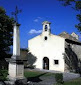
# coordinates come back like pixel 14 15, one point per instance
pixel 73 42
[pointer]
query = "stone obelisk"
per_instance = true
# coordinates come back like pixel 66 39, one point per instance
pixel 16 66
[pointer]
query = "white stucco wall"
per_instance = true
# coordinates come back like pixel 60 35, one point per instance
pixel 53 48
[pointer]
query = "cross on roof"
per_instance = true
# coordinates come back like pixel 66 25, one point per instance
pixel 16 13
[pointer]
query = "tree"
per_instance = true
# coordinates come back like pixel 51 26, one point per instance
pixel 6 31
pixel 31 60
pixel 76 4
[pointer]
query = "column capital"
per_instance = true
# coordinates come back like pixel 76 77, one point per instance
pixel 16 24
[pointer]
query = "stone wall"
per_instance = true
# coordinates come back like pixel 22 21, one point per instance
pixel 72 57
pixel 77 49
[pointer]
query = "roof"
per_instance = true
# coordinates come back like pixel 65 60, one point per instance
pixel 21 49
pixel 24 49
pixel 46 22
pixel 69 37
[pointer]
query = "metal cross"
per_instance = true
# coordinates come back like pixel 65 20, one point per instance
pixel 16 13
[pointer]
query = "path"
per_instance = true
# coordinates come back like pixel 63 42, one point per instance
pixel 50 80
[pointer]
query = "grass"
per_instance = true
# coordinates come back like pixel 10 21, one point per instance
pixel 72 82
pixel 36 73
pixel 31 74
pixel 3 75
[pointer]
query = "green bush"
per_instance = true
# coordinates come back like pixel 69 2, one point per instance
pixel 59 77
pixel 3 75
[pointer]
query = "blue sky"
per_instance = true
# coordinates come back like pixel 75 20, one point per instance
pixel 34 12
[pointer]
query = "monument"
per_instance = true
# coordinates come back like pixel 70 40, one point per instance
pixel 16 66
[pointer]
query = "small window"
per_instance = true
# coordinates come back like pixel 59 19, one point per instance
pixel 56 62
pixel 45 38
pixel 45 27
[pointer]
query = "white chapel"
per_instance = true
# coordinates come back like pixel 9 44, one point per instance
pixel 56 52
pixel 48 49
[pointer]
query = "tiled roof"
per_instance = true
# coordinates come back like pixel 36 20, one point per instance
pixel 68 36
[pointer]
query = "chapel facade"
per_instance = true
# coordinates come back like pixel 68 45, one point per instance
pixel 54 52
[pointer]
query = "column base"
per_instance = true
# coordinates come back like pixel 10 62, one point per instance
pixel 16 73
pixel 16 70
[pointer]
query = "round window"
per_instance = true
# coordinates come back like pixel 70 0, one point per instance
pixel 45 38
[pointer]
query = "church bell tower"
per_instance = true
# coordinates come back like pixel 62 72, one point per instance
pixel 46 28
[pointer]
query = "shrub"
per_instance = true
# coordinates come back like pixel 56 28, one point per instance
pixel 3 75
pixel 59 77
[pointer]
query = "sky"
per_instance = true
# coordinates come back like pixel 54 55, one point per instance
pixel 34 12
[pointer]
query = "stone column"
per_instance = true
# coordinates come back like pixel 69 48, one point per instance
pixel 16 40
pixel 16 66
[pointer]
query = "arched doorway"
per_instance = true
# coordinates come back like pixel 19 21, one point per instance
pixel 45 63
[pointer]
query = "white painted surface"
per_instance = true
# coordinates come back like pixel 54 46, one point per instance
pixel 12 70
pixel 53 48
pixel 16 71
pixel 20 71
pixel 16 40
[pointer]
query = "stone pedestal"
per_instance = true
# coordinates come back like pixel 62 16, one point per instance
pixel 16 73
pixel 16 70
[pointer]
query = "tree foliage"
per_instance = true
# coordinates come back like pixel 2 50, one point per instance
pixel 5 33
pixel 31 60
pixel 76 4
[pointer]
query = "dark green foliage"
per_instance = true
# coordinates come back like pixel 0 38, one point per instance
pixel 59 78
pixel 72 82
pixel 79 17
pixel 78 26
pixel 67 2
pixel 3 75
pixel 3 64
pixel 6 32
pixel 76 4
